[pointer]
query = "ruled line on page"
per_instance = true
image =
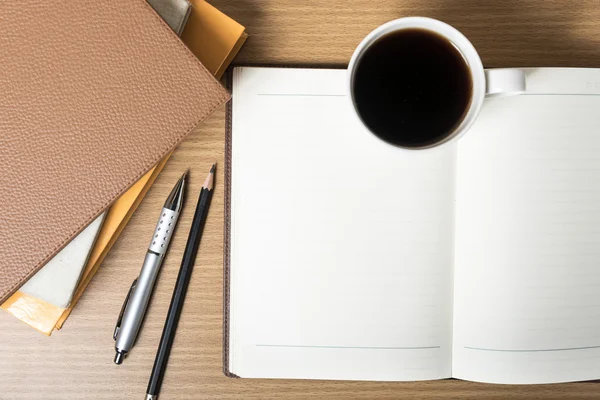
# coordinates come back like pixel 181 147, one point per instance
pixel 349 347
pixel 531 350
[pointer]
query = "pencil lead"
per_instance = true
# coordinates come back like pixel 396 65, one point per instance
pixel 208 183
pixel 214 166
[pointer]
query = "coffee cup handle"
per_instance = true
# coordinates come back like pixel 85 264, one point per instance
pixel 504 82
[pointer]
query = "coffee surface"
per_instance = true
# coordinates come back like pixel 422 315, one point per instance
pixel 412 87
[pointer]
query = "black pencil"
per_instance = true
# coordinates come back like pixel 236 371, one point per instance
pixel 183 279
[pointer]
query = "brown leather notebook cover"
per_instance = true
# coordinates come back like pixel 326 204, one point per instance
pixel 88 106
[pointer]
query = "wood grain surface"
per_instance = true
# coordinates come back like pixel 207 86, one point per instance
pixel 76 363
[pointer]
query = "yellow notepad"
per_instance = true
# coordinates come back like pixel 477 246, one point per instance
pixel 215 39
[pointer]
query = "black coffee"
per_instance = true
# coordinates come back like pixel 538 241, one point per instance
pixel 412 87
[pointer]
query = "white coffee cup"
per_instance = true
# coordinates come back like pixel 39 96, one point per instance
pixel 486 82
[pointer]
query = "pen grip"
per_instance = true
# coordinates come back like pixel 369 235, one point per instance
pixel 163 231
pixel 138 302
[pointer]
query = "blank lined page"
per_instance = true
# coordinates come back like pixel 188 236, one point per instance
pixel 341 245
pixel 527 270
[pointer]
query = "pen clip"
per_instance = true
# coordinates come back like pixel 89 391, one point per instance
pixel 118 325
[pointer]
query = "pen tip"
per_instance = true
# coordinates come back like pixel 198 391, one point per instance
pixel 175 200
pixel 119 358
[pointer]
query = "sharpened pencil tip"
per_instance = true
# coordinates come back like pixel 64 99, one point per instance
pixel 208 183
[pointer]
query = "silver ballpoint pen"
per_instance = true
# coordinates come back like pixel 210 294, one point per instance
pixel 133 310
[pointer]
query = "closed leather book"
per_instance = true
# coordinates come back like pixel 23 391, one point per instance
pixel 88 106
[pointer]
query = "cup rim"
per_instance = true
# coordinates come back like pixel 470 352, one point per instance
pixel 464 46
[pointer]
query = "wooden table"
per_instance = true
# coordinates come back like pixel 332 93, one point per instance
pixel 76 363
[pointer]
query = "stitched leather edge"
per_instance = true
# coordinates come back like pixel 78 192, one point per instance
pixel 227 227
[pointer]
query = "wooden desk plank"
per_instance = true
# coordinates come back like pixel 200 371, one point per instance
pixel 76 363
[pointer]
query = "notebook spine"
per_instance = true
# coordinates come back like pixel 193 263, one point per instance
pixel 226 227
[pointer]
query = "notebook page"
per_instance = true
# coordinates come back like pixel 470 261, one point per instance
pixel 341 245
pixel 527 269
pixel 57 281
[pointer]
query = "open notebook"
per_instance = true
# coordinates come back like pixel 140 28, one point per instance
pixel 347 258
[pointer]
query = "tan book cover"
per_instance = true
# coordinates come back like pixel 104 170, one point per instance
pixel 85 115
